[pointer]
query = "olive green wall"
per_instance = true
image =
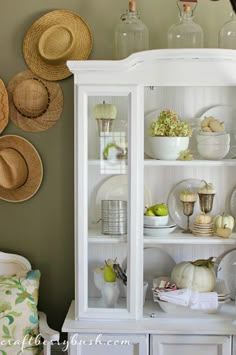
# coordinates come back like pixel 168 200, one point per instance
pixel 42 228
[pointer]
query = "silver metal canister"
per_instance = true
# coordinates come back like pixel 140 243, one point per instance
pixel 114 217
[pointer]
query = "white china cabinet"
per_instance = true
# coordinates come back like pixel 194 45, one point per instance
pixel 115 165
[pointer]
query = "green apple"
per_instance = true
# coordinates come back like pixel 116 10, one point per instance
pixel 160 210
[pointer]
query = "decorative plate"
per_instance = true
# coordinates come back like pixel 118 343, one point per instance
pixel 175 205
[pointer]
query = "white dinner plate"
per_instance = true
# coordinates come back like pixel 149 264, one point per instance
pixel 156 262
pixel 151 116
pixel 116 188
pixel 226 114
pixel 227 271
pixel 232 203
pixel 175 206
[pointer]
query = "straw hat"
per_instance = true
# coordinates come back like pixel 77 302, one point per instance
pixel 35 104
pixel 53 39
pixel 4 110
pixel 21 169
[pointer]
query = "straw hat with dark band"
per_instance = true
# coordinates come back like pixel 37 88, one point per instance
pixel 53 39
pixel 35 104
pixel 4 110
pixel 21 169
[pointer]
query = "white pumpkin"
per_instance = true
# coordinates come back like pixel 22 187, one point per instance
pixel 224 220
pixel 203 218
pixel 105 111
pixel 208 188
pixel 196 275
pixel 188 196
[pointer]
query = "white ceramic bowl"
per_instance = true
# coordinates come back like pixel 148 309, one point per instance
pixel 158 232
pixel 176 308
pixel 167 148
pixel 213 151
pixel 213 138
pixel 156 220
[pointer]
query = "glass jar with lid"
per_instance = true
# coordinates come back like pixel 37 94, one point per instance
pixel 131 34
pixel 186 33
pixel 227 34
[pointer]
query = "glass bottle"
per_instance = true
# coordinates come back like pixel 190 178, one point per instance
pixel 186 33
pixel 131 34
pixel 227 34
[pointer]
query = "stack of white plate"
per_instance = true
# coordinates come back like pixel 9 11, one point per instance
pixel 202 229
pixel 224 293
pixel 159 231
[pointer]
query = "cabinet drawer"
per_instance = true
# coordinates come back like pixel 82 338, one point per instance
pixel 190 344
pixel 107 344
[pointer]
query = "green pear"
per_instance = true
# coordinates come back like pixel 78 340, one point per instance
pixel 161 210
pixel 149 212
pixel 109 274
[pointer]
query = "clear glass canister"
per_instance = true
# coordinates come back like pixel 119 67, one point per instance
pixel 227 34
pixel 186 33
pixel 131 34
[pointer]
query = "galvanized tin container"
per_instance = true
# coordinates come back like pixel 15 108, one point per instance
pixel 114 217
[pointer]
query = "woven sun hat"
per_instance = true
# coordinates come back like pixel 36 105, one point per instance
pixel 21 169
pixel 35 104
pixel 56 37
pixel 4 109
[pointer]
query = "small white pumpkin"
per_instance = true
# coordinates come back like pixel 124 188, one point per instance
pixel 196 275
pixel 224 220
pixel 203 218
pixel 188 196
pixel 105 111
pixel 207 188
pixel 223 232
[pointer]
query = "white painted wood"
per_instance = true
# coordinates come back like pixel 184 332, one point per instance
pixel 177 67
pixel 106 344
pixel 189 82
pixel 221 323
pixel 194 345
pixel 11 264
pixel 176 237
pixel 135 164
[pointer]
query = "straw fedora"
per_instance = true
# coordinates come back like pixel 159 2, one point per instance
pixel 4 110
pixel 56 37
pixel 35 104
pixel 21 169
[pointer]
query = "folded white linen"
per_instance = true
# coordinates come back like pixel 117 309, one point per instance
pixel 181 296
pixel 204 300
pixel 192 299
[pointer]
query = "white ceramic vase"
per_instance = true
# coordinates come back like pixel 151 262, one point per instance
pixel 110 293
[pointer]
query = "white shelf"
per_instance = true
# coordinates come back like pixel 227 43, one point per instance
pixel 221 323
pixel 177 237
pixel 194 163
pixel 200 163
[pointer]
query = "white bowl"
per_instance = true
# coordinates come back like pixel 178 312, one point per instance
pixel 213 138
pixel 167 148
pixel 156 220
pixel 158 232
pixel 213 151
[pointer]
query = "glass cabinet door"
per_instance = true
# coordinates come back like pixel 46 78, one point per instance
pixel 109 178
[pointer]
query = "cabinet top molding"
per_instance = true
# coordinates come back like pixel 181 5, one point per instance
pixel 162 67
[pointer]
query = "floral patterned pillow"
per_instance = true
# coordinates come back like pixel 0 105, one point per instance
pixel 18 314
